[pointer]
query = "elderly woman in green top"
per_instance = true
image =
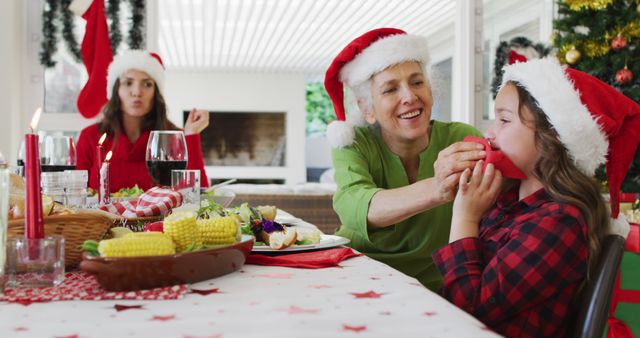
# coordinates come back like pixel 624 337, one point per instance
pixel 398 175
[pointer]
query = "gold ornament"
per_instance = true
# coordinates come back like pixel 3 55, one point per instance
pixel 578 5
pixel 596 49
pixel 573 56
pixel 553 37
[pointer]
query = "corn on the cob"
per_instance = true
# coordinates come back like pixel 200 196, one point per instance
pixel 182 228
pixel 137 244
pixel 221 230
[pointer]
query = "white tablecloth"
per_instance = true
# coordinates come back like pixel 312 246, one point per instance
pixel 364 298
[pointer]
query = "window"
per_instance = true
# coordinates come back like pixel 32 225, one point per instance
pixel 441 88
pixel 319 109
pixel 57 88
pixel 503 21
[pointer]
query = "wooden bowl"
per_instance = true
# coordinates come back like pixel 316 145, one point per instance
pixel 138 273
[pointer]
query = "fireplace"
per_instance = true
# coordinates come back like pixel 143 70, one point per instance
pixel 255 139
pixel 249 146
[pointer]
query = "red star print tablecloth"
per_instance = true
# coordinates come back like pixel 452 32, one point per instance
pixel 362 298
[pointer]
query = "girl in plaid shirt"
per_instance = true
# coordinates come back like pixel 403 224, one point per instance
pixel 519 252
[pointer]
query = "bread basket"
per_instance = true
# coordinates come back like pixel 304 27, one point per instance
pixel 75 227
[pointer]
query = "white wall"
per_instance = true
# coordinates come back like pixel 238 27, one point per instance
pixel 245 92
pixel 12 124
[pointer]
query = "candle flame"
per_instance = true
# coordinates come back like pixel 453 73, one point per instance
pixel 108 157
pixel 35 119
pixel 104 136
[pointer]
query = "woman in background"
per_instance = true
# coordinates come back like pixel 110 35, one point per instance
pixel 136 106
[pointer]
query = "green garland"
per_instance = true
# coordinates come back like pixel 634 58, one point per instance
pixel 50 16
pixel 502 57
pixel 49 43
pixel 136 37
pixel 113 14
pixel 68 26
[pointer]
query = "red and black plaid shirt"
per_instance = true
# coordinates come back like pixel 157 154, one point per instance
pixel 521 274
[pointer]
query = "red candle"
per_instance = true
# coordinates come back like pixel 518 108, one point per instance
pixel 99 153
pixel 34 224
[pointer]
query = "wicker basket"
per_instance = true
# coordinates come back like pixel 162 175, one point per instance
pixel 77 227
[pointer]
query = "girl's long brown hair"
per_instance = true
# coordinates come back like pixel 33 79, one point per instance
pixel 156 119
pixel 560 176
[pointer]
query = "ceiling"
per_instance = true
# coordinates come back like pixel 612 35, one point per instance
pixel 281 35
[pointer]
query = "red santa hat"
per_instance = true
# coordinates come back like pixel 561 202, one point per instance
pixel 150 63
pixel 595 122
pixel 367 55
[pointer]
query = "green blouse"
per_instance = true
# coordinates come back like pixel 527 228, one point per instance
pixel 369 166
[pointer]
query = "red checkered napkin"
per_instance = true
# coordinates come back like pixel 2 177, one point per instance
pixel 154 202
pixel 80 285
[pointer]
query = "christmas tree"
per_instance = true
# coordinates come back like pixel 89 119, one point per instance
pixel 601 38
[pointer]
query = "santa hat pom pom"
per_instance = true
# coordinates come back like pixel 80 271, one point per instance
pixel 340 134
pixel 619 226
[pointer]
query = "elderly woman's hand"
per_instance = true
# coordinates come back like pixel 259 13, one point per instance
pixel 451 162
pixel 196 122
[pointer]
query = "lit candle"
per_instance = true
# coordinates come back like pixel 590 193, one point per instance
pixel 99 153
pixel 103 191
pixel 34 224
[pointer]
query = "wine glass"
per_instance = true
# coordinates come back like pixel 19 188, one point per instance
pixel 166 151
pixel 59 154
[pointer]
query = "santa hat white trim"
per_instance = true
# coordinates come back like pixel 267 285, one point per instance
pixel 546 80
pixel 78 7
pixel 382 54
pixel 135 59
pixel 619 226
pixel 340 134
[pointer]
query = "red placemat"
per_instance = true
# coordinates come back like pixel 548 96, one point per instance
pixel 80 285
pixel 306 260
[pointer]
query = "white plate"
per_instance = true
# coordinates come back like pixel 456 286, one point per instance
pixel 326 241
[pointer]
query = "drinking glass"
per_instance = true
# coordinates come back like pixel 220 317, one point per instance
pixel 166 151
pixel 59 154
pixel 187 182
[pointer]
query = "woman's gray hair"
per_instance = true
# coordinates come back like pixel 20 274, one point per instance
pixel 363 92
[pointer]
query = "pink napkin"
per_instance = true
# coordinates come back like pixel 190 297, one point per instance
pixel 305 260
pixel 498 159
pixel 80 285
pixel 154 202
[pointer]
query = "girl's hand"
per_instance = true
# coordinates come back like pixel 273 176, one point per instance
pixel 196 121
pixel 476 194
pixel 450 164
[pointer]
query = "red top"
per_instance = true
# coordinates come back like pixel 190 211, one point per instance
pixel 127 165
pixel 522 272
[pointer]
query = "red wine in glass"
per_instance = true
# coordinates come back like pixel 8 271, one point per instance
pixel 50 168
pixel 166 151
pixel 160 171
pixel 59 154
